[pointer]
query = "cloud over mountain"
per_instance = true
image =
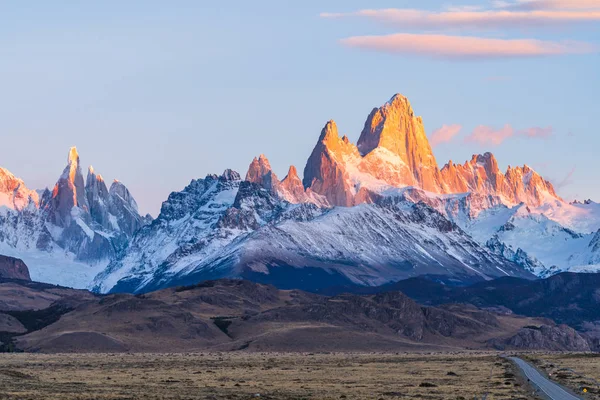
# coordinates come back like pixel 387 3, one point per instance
pixel 464 47
pixel 433 33
pixel 444 135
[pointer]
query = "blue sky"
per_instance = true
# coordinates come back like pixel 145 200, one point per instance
pixel 158 93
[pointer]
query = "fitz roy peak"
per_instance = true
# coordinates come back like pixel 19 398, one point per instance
pixel 78 220
pixel 393 152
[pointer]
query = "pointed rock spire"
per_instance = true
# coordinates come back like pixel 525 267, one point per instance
pixel 260 172
pixel 123 206
pixel 97 198
pixel 230 175
pixel 68 192
pixel 291 188
pixel 325 171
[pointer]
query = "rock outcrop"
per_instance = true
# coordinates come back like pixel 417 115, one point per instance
pixel 545 337
pixel 13 268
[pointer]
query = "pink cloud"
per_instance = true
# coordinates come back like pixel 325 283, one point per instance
pixel 469 18
pixel 485 135
pixel 456 47
pixel 550 4
pixel 444 135
pixel 537 132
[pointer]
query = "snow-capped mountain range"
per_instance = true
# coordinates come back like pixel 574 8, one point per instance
pixel 368 213
pixel 70 233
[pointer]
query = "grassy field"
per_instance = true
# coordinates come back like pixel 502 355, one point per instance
pixel 256 375
pixel 574 370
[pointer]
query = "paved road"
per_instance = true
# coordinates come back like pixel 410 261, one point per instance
pixel 551 389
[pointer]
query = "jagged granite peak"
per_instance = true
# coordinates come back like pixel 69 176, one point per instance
pixel 13 192
pixel 261 239
pixel 230 175
pixel 123 210
pixel 97 198
pixel 291 187
pixel 260 172
pixel 483 175
pixel 325 171
pixel 68 192
pixel 79 221
pixel 395 127
pixel 191 225
pixel 120 191
pixel 392 152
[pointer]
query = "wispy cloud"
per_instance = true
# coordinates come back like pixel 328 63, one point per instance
pixel 537 132
pixel 444 135
pixel 485 135
pixel 488 136
pixel 446 46
pixel 549 4
pixel 436 31
pixel 469 18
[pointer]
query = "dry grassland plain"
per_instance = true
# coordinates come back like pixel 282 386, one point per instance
pixel 259 375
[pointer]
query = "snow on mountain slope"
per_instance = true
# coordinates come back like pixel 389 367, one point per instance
pixel 219 227
pixel 70 233
pixel 364 213
pixel 256 234
pixel 14 194
pixel 57 268
pixel 579 217
pixel 526 229
pixel 374 244
pixel 489 222
pixel 185 227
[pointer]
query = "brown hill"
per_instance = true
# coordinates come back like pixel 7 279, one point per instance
pixel 240 315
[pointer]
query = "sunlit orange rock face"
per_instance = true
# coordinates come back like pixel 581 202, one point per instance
pixel 13 192
pixel 394 127
pixel 483 176
pixel 260 172
pixel 68 192
pixel 393 152
pixel 291 187
pixel 325 172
